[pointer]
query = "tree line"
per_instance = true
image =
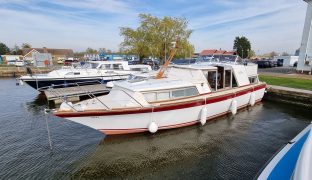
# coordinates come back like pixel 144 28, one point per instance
pixel 16 50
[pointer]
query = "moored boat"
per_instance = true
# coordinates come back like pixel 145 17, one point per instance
pixel 93 72
pixel 184 96
pixel 293 161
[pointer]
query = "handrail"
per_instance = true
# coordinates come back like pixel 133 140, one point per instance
pixel 131 97
pixel 62 99
pixel 93 96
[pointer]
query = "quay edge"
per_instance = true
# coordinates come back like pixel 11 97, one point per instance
pixel 289 95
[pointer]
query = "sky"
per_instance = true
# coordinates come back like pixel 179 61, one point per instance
pixel 270 25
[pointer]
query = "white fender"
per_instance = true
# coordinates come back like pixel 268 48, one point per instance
pixel 233 107
pixel 252 99
pixel 110 84
pixel 66 106
pixel 21 82
pixel 152 127
pixel 203 116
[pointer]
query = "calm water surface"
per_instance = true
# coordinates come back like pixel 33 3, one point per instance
pixel 228 148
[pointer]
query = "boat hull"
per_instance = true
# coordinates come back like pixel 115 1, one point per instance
pixel 166 117
pixel 43 84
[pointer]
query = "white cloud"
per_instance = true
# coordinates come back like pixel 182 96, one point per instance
pixel 270 25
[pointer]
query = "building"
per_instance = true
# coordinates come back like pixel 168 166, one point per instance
pixel 287 60
pixel 11 58
pixel 305 54
pixel 222 55
pixel 56 54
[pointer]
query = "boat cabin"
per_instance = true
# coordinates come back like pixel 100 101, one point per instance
pixel 179 83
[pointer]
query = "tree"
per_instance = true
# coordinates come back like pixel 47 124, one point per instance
pixel 91 51
pixel 285 54
pixel 154 37
pixel 26 45
pixel 251 54
pixel 16 50
pixel 242 46
pixel 272 54
pixel 4 49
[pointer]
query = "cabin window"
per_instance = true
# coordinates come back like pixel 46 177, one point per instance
pixel 234 82
pixel 72 73
pixel 94 65
pixel 105 66
pixel 166 95
pixel 227 79
pixel 191 91
pixel 178 93
pixel 212 78
pixel 117 66
pixel 253 80
pixel 150 96
pixel 163 96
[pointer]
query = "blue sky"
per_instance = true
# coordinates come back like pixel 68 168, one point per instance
pixel 269 24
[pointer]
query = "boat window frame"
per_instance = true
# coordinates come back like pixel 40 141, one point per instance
pixel 171 97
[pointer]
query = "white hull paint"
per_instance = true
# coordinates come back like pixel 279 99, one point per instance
pixel 139 122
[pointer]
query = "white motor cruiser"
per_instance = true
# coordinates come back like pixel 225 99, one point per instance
pixel 180 96
pixel 93 72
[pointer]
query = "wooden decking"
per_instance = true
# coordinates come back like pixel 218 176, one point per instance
pixel 77 91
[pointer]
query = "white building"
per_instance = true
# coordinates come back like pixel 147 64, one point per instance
pixel 287 60
pixel 305 55
pixel 11 57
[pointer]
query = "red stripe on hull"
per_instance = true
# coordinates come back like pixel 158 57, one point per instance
pixel 159 108
pixel 140 130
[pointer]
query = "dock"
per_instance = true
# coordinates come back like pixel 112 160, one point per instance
pixel 289 95
pixel 75 93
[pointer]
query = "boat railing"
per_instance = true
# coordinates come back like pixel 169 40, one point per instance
pixel 70 84
pixel 63 99
pixel 92 96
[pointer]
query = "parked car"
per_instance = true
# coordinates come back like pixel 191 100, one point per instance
pixel 280 62
pixel 273 63
pixel 183 61
pixel 133 62
pixel 263 64
pixel 68 62
pixel 60 61
pixel 153 63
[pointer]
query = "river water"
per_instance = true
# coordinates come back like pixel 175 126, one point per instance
pixel 227 148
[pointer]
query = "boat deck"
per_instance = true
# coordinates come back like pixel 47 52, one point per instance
pixel 77 91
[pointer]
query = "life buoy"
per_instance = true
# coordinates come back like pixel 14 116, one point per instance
pixel 252 99
pixel 203 116
pixel 233 107
pixel 152 127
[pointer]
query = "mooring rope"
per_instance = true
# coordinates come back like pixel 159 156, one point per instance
pixel 48 129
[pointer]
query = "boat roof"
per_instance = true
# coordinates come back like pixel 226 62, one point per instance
pixel 109 62
pixel 153 84
pixel 196 67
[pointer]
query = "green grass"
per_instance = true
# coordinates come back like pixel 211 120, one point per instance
pixel 287 82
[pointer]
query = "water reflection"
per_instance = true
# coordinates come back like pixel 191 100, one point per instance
pixel 228 147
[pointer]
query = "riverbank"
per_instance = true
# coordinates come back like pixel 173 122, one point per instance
pixel 12 71
pixel 297 81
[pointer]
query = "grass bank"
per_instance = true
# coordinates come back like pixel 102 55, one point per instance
pixel 291 82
